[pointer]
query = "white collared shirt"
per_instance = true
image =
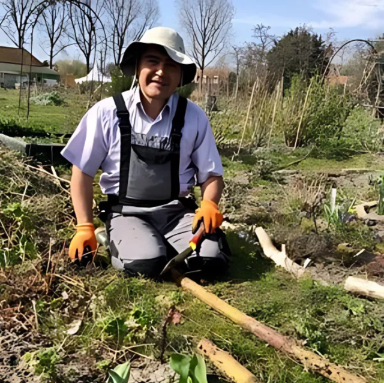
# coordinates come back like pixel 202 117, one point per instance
pixel 96 141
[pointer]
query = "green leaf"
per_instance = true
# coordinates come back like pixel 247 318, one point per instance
pixel 124 370
pixel 180 364
pixel 197 370
pixel 114 377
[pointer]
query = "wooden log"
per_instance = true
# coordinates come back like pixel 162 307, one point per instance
pixel 309 359
pixel 225 362
pixel 364 287
pixel 279 257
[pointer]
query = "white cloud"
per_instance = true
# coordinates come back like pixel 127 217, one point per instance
pixel 367 14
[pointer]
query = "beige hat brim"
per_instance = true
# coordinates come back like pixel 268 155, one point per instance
pixel 128 63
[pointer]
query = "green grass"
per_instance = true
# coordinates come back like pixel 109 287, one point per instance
pixel 131 312
pixel 55 119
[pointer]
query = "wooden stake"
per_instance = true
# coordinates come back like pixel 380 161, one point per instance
pixel 274 113
pixel 225 362
pixel 310 360
pixel 246 120
pixel 302 114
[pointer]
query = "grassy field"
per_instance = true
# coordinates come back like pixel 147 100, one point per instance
pixel 57 119
pixel 67 324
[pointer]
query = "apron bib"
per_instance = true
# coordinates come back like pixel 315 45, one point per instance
pixel 149 166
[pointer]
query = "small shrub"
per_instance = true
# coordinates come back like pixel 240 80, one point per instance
pixel 43 362
pixel 362 131
pixel 120 83
pixel 52 98
pixel 186 90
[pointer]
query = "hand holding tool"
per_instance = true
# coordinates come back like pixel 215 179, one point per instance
pixel 193 243
pixel 209 214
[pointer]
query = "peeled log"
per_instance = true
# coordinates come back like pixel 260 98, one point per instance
pixel 364 287
pixel 225 362
pixel 279 257
pixel 309 359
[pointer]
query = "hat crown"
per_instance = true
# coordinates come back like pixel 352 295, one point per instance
pixel 165 37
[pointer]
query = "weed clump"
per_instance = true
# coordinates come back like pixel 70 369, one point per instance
pixel 48 99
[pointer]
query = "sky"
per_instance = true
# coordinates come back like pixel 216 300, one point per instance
pixel 348 18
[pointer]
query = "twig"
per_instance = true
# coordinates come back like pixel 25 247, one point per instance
pixel 50 174
pixel 25 191
pixel 36 318
pixel 293 163
pixel 9 238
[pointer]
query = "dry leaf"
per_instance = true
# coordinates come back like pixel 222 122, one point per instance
pixel 75 327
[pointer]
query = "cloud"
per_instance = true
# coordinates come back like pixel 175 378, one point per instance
pixel 367 14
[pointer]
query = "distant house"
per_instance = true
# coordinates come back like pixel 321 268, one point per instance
pixel 17 65
pixel 214 79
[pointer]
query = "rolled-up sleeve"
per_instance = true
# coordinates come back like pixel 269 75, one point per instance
pixel 87 148
pixel 205 155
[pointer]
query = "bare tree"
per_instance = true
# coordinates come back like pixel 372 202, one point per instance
pixel 54 23
pixel 264 39
pixel 18 19
pixel 128 20
pixel 85 27
pixel 207 24
pixel 237 54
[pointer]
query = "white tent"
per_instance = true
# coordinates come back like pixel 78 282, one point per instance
pixel 94 75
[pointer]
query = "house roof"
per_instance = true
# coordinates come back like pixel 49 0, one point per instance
pixel 14 55
pixel 15 68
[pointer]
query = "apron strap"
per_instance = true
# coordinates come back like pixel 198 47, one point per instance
pixel 178 121
pixel 125 133
pixel 177 126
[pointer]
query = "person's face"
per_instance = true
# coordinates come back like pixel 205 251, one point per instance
pixel 159 75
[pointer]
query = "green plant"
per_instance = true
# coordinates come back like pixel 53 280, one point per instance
pixel 43 362
pixel 380 206
pixel 186 90
pixel 362 130
pixel 334 218
pixel 120 374
pixel 16 235
pixel 120 83
pixel 191 369
pixel 52 98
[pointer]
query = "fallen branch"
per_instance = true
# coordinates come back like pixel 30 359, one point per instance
pixel 364 287
pixel 310 360
pixel 279 257
pixel 225 362
pixel 362 213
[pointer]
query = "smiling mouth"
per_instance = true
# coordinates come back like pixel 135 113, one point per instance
pixel 158 83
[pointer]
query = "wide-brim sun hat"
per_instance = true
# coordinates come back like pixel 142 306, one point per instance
pixel 173 44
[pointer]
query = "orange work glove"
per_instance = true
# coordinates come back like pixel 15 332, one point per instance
pixel 85 236
pixel 209 214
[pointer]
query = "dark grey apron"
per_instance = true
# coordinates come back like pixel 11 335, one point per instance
pixel 149 166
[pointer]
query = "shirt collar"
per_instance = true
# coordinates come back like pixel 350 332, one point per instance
pixel 167 107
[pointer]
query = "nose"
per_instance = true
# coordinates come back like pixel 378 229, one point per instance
pixel 160 72
pixel 160 69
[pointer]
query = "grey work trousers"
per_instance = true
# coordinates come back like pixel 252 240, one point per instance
pixel 143 240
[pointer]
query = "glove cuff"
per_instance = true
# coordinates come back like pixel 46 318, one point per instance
pixel 209 202
pixel 87 225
